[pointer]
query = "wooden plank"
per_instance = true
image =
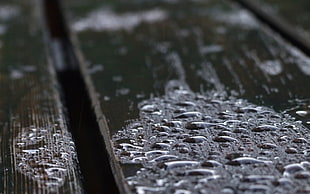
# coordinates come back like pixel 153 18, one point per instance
pixel 37 153
pixel 194 96
pixel 291 26
pixel 295 13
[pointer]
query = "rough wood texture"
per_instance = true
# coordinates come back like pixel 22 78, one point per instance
pixel 297 13
pixel 290 27
pixel 148 62
pixel 37 154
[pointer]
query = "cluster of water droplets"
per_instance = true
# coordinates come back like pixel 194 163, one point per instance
pixel 187 142
pixel 45 155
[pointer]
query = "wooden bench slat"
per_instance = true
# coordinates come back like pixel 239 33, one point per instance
pixel 130 53
pixel 37 153
pixel 295 13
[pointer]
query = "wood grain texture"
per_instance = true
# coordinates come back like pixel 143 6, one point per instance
pixel 37 151
pixel 290 22
pixel 295 13
pixel 131 50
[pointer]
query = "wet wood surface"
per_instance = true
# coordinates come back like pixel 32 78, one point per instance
pixel 37 153
pixel 295 13
pixel 130 51
pixel 287 18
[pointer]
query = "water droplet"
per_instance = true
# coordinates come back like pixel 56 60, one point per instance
pixel 179 164
pixel 283 181
pixel 31 151
pixel 224 139
pixel 173 124
pixel 258 188
pixel 186 103
pixel 182 191
pixel 291 150
pixel 197 125
pixel 162 128
pixel 155 152
pixel 240 130
pixel 247 160
pixel 225 133
pixel 265 128
pixel 199 172
pixel 164 158
pixel 189 115
pixel 300 140
pixel 302 113
pixel 195 139
pixel 283 139
pixel 142 189
pixel 303 175
pixel 228 191
pixel 52 171
pixel 232 156
pixel 267 146
pixel 127 146
pixel 148 108
pixel 256 178
pixel 160 146
pixel 211 163
pixel 292 168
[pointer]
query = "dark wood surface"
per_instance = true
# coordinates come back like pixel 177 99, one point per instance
pixel 287 18
pixel 131 51
pixel 295 13
pixel 37 153
pixel 189 96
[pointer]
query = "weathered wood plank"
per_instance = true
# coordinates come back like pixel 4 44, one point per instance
pixel 37 153
pixel 292 28
pixel 297 13
pixel 154 68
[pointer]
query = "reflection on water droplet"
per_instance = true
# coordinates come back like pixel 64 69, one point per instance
pixel 302 113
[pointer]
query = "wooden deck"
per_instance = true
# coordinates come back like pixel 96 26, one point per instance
pixel 189 96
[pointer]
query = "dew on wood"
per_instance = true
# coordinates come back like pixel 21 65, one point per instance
pixel 216 142
pixel 44 159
